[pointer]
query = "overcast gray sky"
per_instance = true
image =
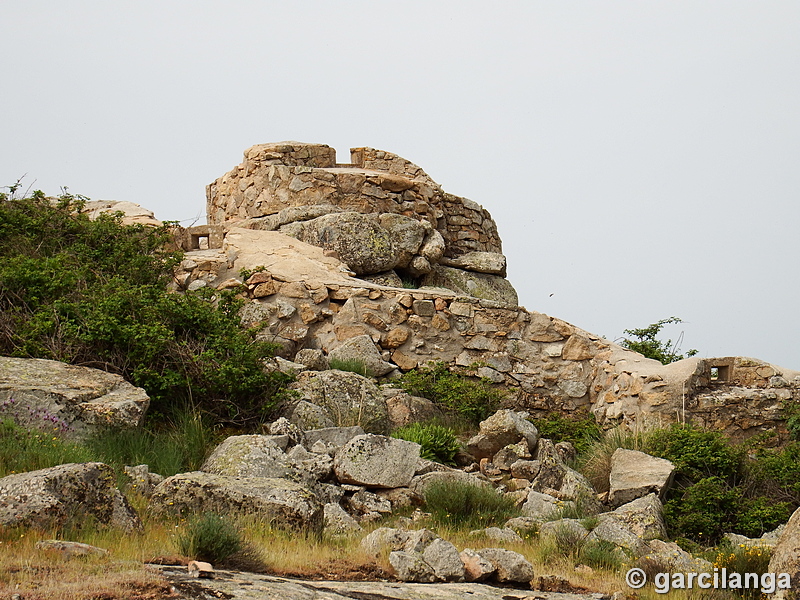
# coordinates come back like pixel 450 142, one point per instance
pixel 641 159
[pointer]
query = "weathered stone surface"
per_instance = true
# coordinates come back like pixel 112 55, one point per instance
pixel 248 456
pixel 377 461
pixel 132 214
pixel 310 466
pixel 635 474
pixel 51 497
pixel 279 501
pixel 480 262
pixel 333 437
pixel 243 585
pixel 676 558
pixel 443 557
pixel 338 522
pixel 565 482
pixel 309 416
pixel 71 401
pixel 405 409
pixel 540 505
pixel 349 398
pixel 632 525
pixel 361 349
pixel 507 456
pixel 142 480
pixel 410 566
pixel 526 469
pixel 358 240
pixel 313 359
pixel 477 285
pixel 501 429
pixel 476 568
pixel 511 567
pixel 364 502
pixel 786 555
pixel 384 537
pixel 505 535
pixel 70 549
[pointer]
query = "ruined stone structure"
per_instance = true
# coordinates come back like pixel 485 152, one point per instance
pixel 357 227
pixel 274 177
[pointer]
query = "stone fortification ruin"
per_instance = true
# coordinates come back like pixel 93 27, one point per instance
pixel 374 258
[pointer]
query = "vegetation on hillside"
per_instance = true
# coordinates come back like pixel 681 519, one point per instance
pixel 645 341
pixel 93 293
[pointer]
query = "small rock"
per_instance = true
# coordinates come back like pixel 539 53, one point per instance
pixel 201 569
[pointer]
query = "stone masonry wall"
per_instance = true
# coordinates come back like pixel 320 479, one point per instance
pixel 274 177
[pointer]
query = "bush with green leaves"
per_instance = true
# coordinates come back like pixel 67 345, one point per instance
pixel 93 293
pixel 645 341
pixel 581 432
pixel 438 443
pixel 473 398
pixel 464 505
pixel 211 538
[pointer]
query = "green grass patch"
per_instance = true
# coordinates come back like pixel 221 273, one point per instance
pixel 467 506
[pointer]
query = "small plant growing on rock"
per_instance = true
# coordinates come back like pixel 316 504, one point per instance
pixel 466 505
pixel 438 443
pixel 211 538
pixel 352 365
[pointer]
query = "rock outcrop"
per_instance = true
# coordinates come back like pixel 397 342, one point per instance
pixel 73 402
pixel 55 496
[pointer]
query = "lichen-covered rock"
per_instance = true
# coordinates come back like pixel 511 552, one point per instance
pixel 384 537
pixel 410 566
pixel 505 535
pixel 501 429
pixel 309 416
pixel 249 456
pixel 377 461
pixel 635 474
pixel 332 437
pixel 52 497
pixel 555 476
pixel 361 349
pixel 313 359
pixel 142 480
pixel 421 482
pixel 405 409
pixel 348 398
pixel 73 401
pixel 786 555
pixel 358 240
pixel 443 557
pixel 632 525
pixel 491 263
pixel 281 502
pixel 338 522
pixel 511 567
pixel 540 506
pixel 478 285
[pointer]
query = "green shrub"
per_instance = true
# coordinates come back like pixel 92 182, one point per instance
pixel 646 342
pixel 210 538
pixel 94 293
pixel 580 432
pixel 703 511
pixel 438 443
pixel 756 516
pixel 467 506
pixel 697 453
pixel 473 398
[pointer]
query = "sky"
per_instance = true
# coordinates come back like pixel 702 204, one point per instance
pixel 641 159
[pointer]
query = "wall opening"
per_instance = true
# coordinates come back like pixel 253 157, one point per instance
pixel 720 373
